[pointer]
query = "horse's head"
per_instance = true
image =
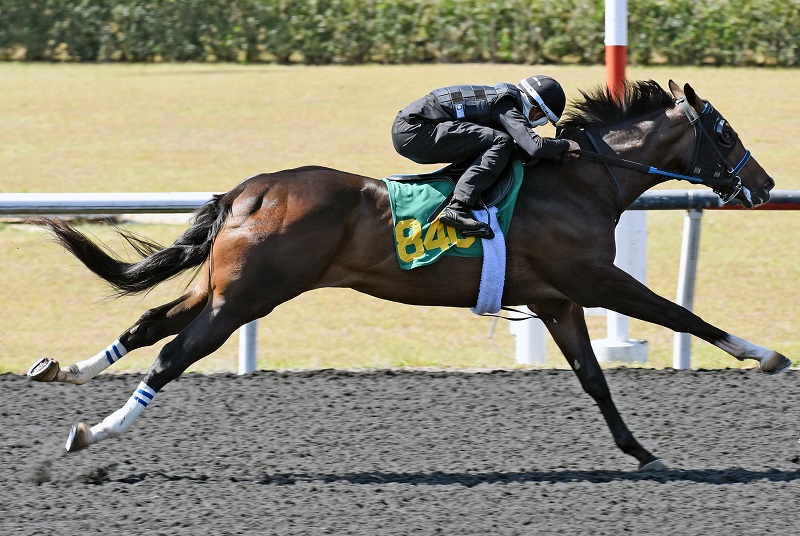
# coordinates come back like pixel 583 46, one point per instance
pixel 719 156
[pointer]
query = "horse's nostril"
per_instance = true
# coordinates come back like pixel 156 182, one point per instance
pixel 769 184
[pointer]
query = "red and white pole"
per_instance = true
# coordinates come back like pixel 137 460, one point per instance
pixel 631 231
pixel 616 44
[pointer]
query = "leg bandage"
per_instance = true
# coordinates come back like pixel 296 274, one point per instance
pixel 84 371
pixel 118 422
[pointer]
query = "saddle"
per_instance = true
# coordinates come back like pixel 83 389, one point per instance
pixel 451 173
pixel 416 200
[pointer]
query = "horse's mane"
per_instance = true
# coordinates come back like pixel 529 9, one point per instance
pixel 600 108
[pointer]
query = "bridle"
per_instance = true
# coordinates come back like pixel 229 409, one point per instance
pixel 723 142
pixel 707 167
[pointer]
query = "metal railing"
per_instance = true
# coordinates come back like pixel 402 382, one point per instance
pixel 694 201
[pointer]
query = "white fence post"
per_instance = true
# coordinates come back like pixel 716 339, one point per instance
pixel 631 238
pixel 531 340
pixel 248 345
pixel 690 248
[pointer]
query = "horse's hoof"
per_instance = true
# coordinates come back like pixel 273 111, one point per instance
pixel 44 370
pixel 775 363
pixel 80 437
pixel 655 465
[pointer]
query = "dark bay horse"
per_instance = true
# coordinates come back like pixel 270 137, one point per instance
pixel 275 236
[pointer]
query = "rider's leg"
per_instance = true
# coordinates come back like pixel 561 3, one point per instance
pixel 494 148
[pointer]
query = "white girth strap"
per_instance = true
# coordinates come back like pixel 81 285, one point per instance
pixel 493 271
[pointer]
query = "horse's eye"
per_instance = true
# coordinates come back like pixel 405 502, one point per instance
pixel 724 133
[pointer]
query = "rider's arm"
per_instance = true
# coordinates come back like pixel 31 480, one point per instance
pixel 513 122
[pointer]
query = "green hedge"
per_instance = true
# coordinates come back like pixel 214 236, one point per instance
pixel 722 32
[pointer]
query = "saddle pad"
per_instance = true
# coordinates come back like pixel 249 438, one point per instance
pixel 419 243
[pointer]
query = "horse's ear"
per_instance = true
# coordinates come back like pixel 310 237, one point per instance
pixel 691 97
pixel 677 92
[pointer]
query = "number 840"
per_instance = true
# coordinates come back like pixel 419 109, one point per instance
pixel 411 245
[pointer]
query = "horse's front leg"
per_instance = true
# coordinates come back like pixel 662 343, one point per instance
pixel 616 290
pixel 572 337
pixel 154 325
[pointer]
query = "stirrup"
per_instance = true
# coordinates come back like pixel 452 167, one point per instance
pixel 485 232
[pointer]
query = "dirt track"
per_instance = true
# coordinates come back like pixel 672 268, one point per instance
pixel 384 452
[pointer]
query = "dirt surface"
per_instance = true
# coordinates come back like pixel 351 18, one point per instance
pixel 397 452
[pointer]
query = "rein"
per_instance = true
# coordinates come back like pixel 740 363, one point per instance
pixel 730 181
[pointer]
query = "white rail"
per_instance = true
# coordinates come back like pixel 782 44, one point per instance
pixel 102 203
pixel 530 344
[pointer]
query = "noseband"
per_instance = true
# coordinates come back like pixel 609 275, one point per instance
pixel 708 167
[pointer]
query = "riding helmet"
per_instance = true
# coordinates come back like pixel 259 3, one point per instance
pixel 546 93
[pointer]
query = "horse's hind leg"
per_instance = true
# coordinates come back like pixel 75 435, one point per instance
pixel 240 295
pixel 206 333
pixel 572 337
pixel 253 271
pixel 152 326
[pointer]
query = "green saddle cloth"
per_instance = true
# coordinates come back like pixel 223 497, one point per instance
pixel 419 243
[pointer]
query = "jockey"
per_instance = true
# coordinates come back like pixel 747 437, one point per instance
pixel 480 124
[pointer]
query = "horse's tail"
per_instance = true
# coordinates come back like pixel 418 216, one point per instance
pixel 159 263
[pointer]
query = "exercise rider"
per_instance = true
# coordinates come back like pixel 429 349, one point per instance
pixel 480 124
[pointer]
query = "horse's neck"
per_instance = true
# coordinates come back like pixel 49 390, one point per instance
pixel 659 141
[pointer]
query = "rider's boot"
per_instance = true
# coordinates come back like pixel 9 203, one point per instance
pixel 459 216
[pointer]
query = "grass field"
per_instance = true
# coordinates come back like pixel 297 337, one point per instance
pixel 191 127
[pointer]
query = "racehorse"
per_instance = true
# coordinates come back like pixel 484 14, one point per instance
pixel 275 236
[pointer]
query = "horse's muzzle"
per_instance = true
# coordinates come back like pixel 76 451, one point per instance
pixel 759 198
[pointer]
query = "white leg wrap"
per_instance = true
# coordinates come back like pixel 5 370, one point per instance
pixel 84 371
pixel 742 349
pixel 118 422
